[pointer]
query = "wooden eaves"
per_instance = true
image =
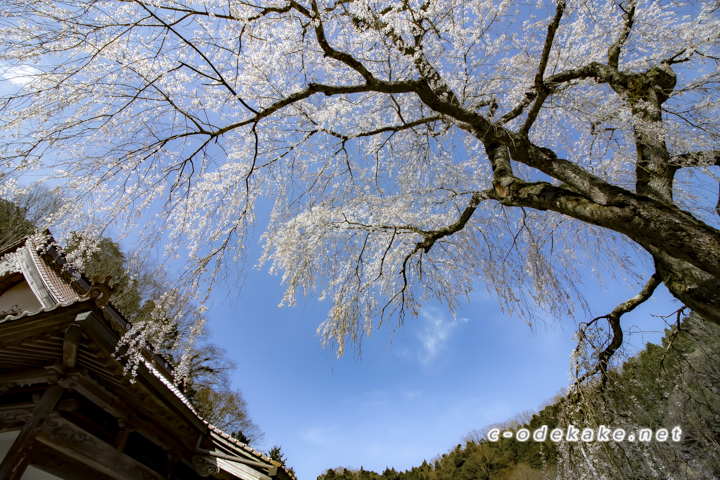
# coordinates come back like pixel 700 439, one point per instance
pixel 76 412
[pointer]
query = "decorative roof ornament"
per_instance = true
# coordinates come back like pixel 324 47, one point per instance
pixel 101 291
pixel 204 466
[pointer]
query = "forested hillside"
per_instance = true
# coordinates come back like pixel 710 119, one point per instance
pixel 663 386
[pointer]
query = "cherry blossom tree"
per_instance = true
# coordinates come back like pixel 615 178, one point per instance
pixel 413 150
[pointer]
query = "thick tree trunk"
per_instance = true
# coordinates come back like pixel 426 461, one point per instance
pixel 686 251
pixel 650 223
pixel 694 288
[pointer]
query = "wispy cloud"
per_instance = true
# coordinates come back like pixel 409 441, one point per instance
pixel 323 436
pixel 435 332
pixel 19 75
pixel 412 394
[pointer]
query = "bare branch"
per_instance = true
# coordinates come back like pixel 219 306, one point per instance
pixel 552 28
pixel 673 335
pixel 313 88
pixel 696 159
pixel 220 77
pixel 343 57
pixel 541 89
pixel 389 128
pixel 614 50
pixel 625 307
pixel 433 236
pixel 518 109
pixel 613 319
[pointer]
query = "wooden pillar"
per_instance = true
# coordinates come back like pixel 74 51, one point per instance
pixel 71 343
pixel 122 438
pixel 16 461
pixel 172 461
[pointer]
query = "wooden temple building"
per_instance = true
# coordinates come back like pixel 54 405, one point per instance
pixel 68 411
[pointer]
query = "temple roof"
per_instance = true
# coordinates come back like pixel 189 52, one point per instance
pixel 34 343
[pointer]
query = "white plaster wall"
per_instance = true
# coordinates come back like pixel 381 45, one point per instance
pixel 20 295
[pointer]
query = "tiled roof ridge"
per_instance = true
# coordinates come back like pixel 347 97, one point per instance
pixel 246 447
pixel 234 440
pixel 59 287
pixel 82 284
pixel 56 253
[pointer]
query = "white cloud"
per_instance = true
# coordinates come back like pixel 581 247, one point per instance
pixel 19 75
pixel 412 394
pixel 320 436
pixel 435 333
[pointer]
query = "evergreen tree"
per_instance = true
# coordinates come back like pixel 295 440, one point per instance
pixel 363 474
pixel 662 387
pixel 276 454
pixel 13 225
pixel 27 213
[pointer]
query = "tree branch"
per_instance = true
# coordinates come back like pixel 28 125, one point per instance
pixel 540 87
pixel 598 71
pixel 696 159
pixel 220 77
pixel 389 128
pixel 614 50
pixel 328 90
pixel 552 28
pixel 433 236
pixel 427 71
pixel 673 335
pixel 652 224
pixel 519 108
pixel 625 307
pixel 613 319
pixel 343 57
pixel 501 165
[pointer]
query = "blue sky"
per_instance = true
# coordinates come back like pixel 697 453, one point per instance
pixel 408 398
